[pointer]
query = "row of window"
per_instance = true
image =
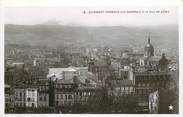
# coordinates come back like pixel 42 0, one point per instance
pixel 32 94
pixel 163 84
pixel 64 96
pixel 41 88
pixel 31 90
pixel 127 92
pixel 43 98
pixel 154 77
pixel 63 86
pixel 19 94
pixel 84 93
pixel 20 104
pixel 31 99
pixel 124 88
pixel 63 103
pixel 143 91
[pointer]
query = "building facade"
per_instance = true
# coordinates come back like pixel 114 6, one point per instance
pixel 31 95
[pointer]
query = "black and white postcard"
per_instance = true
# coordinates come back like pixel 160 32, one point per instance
pixel 103 59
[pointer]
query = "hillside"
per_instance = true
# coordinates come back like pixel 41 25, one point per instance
pixel 164 36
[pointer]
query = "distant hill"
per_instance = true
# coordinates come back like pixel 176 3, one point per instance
pixel 56 35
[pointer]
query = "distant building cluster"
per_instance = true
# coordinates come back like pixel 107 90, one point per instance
pixel 57 80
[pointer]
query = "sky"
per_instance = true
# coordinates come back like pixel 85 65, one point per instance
pixel 85 16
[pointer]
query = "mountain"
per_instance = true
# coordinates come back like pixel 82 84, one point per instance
pixel 165 36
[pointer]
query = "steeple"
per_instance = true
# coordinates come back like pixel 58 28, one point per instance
pixel 149 38
pixel 149 49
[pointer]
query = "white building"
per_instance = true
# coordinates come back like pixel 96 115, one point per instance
pixel 31 95
pixel 66 73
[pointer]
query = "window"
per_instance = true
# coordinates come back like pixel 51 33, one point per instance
pixel 28 99
pixel 40 88
pixel 69 103
pixel 40 98
pixel 65 96
pixel 70 97
pixel 61 96
pixel 33 105
pixel 44 98
pixel 62 102
pixel 56 103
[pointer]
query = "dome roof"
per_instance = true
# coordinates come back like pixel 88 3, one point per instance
pixel 149 49
pixel 149 45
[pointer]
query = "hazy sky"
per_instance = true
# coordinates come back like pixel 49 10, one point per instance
pixel 74 16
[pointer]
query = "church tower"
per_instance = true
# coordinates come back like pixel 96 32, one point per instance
pixel 149 49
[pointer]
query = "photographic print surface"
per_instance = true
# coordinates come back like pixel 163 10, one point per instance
pixel 91 60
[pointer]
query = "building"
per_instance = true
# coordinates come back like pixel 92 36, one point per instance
pixel 25 96
pixel 31 97
pixel 64 92
pixel 149 49
pixel 62 73
pixel 148 82
pixel 163 63
pixel 19 97
pixel 9 98
pixel 125 60
pixel 120 87
pixel 149 60
pixel 43 93
pixel 84 94
pixel 9 76
pixel 127 73
pixel 100 68
pixel 37 72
